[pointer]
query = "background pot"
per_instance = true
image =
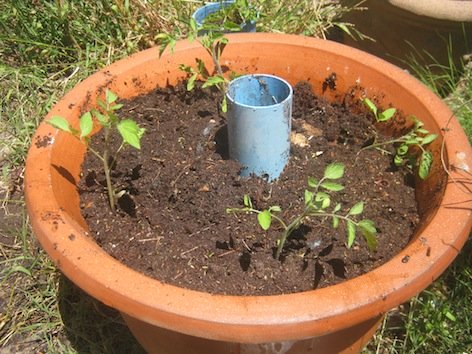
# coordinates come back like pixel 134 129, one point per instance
pixel 259 123
pixel 335 319
pixel 202 12
pixel 403 28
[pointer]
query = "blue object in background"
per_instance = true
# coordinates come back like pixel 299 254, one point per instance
pixel 201 13
pixel 259 124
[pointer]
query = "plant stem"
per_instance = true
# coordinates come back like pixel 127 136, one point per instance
pixel 216 60
pixel 106 167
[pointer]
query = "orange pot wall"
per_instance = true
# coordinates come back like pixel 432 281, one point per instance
pixel 53 167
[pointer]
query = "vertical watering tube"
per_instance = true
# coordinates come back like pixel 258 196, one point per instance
pixel 259 124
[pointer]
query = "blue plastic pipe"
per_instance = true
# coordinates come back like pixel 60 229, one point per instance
pixel 201 13
pixel 259 123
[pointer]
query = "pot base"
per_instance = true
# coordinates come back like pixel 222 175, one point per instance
pixel 157 340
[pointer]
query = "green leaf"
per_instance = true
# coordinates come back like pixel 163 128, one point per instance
pixel 312 182
pixel 102 119
pixel 323 199
pixel 193 25
pixel 191 82
pixel 351 233
pixel 86 124
pixel 224 105
pixel 213 81
pixel 428 139
pixel 186 68
pixel 402 150
pixel 398 160
pixel 247 201
pixel 116 106
pixel 371 105
pixel 60 123
pixel 422 131
pixel 231 26
pixel 130 132
pixel 335 222
pixel 387 114
pixel 308 197
pixel 264 218
pixel 331 186
pixel 368 230
pixel 426 161
pixel 110 96
pixel 334 170
pixel 357 209
pixel 337 208
pixel 201 67
pixel 102 104
pixel 411 141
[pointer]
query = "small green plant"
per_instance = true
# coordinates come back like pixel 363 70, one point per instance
pixel 128 129
pixel 210 34
pixel 379 116
pixel 410 147
pixel 317 203
pixel 214 43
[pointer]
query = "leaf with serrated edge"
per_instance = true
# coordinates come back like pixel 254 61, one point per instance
pixel 331 186
pixel 324 199
pixel 130 132
pixel 428 139
pixel 402 150
pixel 60 123
pixel 398 160
pixel 86 124
pixel 102 119
pixel 264 218
pixel 368 230
pixel 351 233
pixel 334 170
pixel 335 222
pixel 426 162
pixel 213 80
pixel 337 208
pixel 308 197
pixel 371 106
pixel 110 96
pixel 357 209
pixel 387 114
pixel 312 182
pixel 191 82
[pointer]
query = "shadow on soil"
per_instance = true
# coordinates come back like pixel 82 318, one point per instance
pixel 92 327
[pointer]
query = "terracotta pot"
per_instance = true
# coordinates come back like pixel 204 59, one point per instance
pixel 168 319
pixel 403 28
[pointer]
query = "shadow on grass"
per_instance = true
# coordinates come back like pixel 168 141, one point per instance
pixel 92 327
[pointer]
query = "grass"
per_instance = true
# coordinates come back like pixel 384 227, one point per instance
pixel 46 48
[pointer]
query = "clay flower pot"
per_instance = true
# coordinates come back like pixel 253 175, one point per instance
pixel 336 319
pixel 420 27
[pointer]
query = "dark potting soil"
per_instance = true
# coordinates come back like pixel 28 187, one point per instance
pixel 171 223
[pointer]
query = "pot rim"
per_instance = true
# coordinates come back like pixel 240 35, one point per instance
pixel 241 318
pixel 450 10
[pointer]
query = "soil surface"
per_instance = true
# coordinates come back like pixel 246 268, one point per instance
pixel 172 224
